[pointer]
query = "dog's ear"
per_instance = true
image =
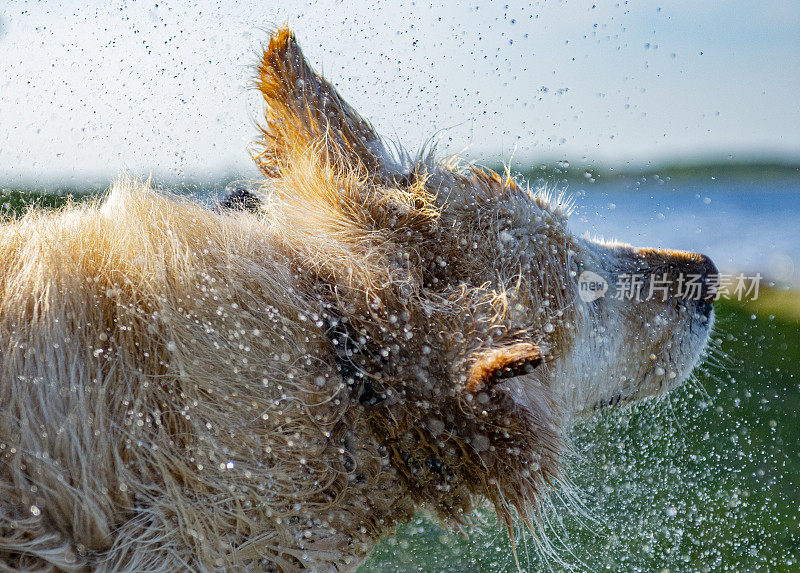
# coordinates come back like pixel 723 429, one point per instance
pixel 491 366
pixel 304 112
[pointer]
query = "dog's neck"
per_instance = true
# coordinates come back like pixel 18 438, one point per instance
pixel 448 449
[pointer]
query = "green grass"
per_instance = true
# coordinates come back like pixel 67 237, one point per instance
pixel 17 202
pixel 781 303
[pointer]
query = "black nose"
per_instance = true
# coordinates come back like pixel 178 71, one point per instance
pixel 709 277
pixel 703 267
pixel 693 277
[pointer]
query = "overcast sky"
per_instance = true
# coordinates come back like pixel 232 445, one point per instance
pixel 162 87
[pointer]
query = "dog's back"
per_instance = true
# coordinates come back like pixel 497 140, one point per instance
pixel 167 393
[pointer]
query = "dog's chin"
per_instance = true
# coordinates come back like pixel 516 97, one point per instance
pixel 689 350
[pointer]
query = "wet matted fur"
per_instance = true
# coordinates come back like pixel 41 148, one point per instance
pixel 278 385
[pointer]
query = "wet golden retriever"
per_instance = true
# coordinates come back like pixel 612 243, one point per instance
pixel 277 387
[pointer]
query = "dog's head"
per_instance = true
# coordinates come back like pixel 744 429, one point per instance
pixel 477 324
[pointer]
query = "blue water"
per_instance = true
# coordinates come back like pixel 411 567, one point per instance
pixel 744 226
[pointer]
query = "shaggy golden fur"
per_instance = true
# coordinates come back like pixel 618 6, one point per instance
pixel 193 389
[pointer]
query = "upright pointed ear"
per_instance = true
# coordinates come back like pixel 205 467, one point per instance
pixel 496 364
pixel 303 112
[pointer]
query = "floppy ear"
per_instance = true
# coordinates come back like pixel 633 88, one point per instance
pixel 496 364
pixel 303 111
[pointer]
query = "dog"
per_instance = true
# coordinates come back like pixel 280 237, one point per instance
pixel 277 383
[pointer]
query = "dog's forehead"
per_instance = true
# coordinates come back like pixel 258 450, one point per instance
pixel 516 203
pixel 535 214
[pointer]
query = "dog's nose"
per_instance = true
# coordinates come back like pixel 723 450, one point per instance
pixel 693 276
pixel 709 277
pixel 699 276
pixel 703 267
